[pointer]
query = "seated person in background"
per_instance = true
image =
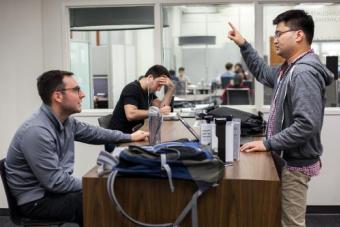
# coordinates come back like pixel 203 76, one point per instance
pixel 238 69
pixel 227 76
pixel 137 96
pixel 40 158
pixel 229 71
pixel 237 82
pixel 182 76
pixel 173 76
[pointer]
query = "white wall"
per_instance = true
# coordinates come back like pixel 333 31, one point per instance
pixel 31 41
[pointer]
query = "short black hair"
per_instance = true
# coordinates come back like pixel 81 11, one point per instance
pixel 172 72
pixel 228 66
pixel 50 81
pixel 297 19
pixel 157 71
pixel 181 69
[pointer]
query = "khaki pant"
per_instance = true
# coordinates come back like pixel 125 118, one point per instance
pixel 294 198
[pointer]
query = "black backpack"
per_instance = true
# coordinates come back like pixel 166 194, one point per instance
pixel 251 124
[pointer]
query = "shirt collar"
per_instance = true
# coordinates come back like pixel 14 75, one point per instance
pixel 285 65
pixel 56 122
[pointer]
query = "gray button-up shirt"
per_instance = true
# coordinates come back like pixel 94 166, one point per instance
pixel 41 155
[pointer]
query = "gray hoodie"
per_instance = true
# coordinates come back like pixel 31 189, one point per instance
pixel 300 105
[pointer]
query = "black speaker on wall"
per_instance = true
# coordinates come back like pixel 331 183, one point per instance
pixel 332 96
pixel 332 65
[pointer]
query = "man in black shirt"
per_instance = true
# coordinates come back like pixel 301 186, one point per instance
pixel 137 96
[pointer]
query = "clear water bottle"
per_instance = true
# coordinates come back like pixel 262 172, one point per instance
pixel 155 124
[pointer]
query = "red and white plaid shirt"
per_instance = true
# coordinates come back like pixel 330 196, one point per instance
pixel 311 170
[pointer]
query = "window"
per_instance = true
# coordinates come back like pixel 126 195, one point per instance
pixel 326 41
pixel 110 47
pixel 195 38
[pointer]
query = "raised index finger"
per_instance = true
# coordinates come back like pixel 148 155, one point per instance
pixel 232 26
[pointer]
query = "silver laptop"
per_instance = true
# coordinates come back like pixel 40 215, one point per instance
pixel 191 130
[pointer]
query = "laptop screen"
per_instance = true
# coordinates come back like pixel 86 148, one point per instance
pixel 193 132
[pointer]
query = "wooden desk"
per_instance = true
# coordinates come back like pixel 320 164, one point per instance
pixel 248 195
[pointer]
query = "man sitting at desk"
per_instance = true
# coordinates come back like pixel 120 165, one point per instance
pixel 40 158
pixel 137 96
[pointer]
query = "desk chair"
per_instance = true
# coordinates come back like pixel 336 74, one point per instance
pixel 181 87
pixel 14 212
pixel 104 122
pixel 238 96
pixel 248 84
pixel 225 81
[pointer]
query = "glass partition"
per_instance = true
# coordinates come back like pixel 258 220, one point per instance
pixel 119 50
pixel 326 41
pixel 196 48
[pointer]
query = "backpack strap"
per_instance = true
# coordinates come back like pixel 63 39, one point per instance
pixel 192 205
pixel 166 167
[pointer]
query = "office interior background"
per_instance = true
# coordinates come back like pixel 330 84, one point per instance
pixel 39 35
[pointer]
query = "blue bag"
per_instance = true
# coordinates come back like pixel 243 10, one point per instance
pixel 171 160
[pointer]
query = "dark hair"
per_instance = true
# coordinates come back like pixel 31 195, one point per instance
pixel 240 67
pixel 157 71
pixel 228 66
pixel 172 72
pixel 297 20
pixel 181 69
pixel 50 81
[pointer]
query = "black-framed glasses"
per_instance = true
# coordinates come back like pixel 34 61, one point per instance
pixel 279 33
pixel 75 89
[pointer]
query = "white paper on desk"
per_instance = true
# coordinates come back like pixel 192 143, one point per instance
pixel 201 106
pixel 187 110
pixel 178 99
pixel 170 116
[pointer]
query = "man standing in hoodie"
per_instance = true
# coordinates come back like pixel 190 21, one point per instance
pixel 297 108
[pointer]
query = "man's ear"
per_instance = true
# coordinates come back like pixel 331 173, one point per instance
pixel 300 36
pixel 57 96
pixel 149 78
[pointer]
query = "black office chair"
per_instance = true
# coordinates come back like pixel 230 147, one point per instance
pixel 181 87
pixel 225 81
pixel 238 96
pixel 104 122
pixel 14 212
pixel 248 84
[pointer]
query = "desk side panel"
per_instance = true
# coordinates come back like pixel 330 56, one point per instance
pixel 232 203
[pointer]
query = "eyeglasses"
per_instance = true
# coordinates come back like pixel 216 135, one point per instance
pixel 279 33
pixel 75 89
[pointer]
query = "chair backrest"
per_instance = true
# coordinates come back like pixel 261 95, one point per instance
pixel 12 204
pixel 104 121
pixel 180 87
pixel 238 96
pixel 248 84
pixel 225 81
pixel 14 212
